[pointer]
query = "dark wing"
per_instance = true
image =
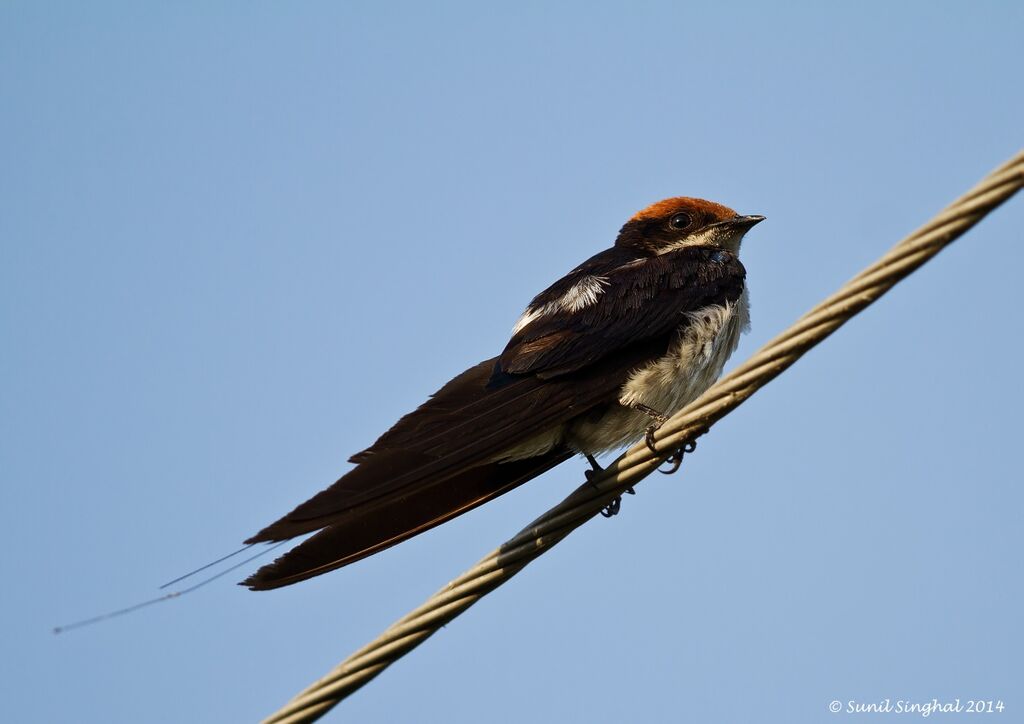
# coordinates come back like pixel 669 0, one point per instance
pixel 439 461
pixel 464 424
pixel 640 300
pixel 436 463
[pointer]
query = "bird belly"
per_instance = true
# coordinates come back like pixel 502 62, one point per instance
pixel 692 364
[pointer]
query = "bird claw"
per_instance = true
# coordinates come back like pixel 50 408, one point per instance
pixel 673 463
pixel 615 505
pixel 676 458
pixel 612 508
pixel 649 437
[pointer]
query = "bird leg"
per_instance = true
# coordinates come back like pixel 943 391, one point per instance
pixel 676 458
pixel 594 468
pixel 614 506
pixel 658 418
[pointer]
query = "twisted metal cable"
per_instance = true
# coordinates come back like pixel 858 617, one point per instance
pixel 638 462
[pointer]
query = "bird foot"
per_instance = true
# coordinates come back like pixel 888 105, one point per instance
pixel 612 508
pixel 649 437
pixel 676 458
pixel 615 505
pixel 659 420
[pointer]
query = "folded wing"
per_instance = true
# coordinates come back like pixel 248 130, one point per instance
pixel 441 460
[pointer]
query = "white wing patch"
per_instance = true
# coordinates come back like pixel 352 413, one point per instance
pixel 581 295
pixel 528 316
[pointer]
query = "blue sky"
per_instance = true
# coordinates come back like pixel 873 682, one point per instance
pixel 237 241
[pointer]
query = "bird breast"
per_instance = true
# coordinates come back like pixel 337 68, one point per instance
pixel 694 362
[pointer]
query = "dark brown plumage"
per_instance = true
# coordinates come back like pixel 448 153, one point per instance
pixel 578 344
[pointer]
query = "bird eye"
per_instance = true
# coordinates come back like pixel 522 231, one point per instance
pixel 679 221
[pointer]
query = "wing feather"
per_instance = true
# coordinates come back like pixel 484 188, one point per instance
pixel 442 459
pixel 393 520
pixel 640 301
pixel 466 424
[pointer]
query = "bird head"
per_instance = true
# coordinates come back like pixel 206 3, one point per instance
pixel 682 221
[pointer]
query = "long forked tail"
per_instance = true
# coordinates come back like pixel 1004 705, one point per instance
pixel 381 523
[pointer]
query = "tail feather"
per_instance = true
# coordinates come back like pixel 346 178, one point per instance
pixel 383 523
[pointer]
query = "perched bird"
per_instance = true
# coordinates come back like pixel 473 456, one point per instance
pixel 603 355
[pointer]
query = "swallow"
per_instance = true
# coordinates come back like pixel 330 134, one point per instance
pixel 597 360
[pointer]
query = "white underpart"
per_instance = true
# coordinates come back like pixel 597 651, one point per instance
pixel 582 294
pixel 693 363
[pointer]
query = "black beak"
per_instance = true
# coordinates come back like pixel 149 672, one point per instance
pixel 744 222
